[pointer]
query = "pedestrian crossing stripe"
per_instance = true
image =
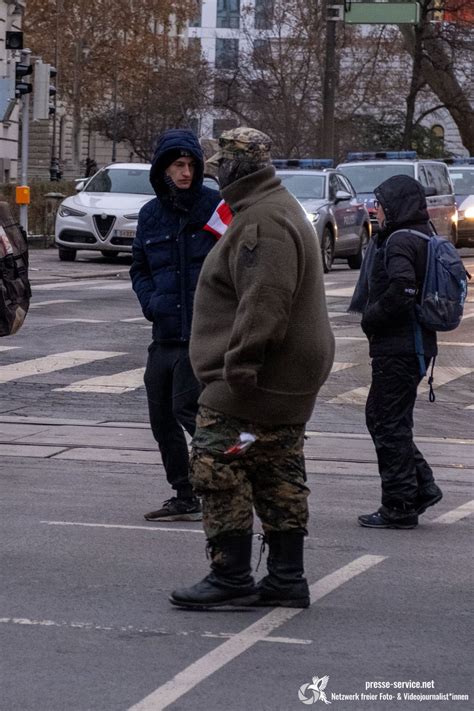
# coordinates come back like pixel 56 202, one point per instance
pixel 52 363
pixel 443 375
pixel 116 384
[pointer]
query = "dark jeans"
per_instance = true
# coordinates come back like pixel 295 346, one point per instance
pixel 172 391
pixel 389 417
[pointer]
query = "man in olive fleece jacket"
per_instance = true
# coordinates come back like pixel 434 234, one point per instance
pixel 262 346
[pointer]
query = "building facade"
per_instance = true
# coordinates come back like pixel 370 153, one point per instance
pixel 11 13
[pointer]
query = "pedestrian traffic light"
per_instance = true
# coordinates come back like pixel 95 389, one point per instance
pixel 21 86
pixel 44 91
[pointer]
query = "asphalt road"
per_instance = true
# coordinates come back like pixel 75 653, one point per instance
pixel 84 617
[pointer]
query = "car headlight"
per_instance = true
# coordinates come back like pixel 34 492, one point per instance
pixel 131 217
pixel 469 213
pixel 313 217
pixel 65 211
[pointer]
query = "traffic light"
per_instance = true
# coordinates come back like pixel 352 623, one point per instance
pixel 44 91
pixel 21 86
pixel 14 40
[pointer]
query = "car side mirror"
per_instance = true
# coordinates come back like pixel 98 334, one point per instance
pixel 429 191
pixel 79 184
pixel 342 195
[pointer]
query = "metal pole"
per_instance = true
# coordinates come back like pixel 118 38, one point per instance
pixel 329 86
pixel 54 167
pixel 25 140
pixel 114 124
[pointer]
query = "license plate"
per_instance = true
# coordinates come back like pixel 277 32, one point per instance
pixel 124 233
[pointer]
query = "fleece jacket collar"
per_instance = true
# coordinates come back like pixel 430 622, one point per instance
pixel 251 188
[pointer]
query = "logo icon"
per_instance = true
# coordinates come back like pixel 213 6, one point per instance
pixel 310 693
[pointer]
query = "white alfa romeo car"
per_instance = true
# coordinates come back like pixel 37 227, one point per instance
pixel 103 215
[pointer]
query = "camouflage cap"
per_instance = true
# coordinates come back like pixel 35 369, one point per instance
pixel 242 141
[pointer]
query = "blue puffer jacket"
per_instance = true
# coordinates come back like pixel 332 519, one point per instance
pixel 170 245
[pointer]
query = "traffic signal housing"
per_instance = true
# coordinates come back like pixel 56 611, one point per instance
pixel 22 71
pixel 44 91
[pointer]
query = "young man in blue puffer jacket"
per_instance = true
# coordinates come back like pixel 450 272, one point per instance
pixel 168 252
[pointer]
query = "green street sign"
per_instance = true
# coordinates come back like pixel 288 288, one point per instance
pixel 382 13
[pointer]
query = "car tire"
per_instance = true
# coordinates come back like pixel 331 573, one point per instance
pixel 109 254
pixel 66 255
pixel 355 260
pixel 327 249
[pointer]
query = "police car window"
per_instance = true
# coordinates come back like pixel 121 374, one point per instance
pixel 438 178
pixel 121 180
pixel 344 184
pixel 333 186
pixel 423 177
pixel 463 181
pixel 304 187
pixel 365 178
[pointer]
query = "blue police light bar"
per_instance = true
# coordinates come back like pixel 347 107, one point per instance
pixel 459 161
pixel 303 163
pixel 381 155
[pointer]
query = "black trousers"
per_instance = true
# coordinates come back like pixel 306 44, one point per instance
pixel 172 392
pixel 389 417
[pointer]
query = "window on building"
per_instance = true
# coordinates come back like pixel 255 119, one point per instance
pixel 438 133
pixel 225 92
pixel 261 54
pixel 221 125
pixel 196 20
pixel 264 12
pixel 227 53
pixel 228 13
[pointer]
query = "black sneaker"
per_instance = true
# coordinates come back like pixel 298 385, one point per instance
pixel 378 520
pixel 429 496
pixel 175 509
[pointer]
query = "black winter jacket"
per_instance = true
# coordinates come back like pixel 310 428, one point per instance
pixel 170 245
pixel 398 270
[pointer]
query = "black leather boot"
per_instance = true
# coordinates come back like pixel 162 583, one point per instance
pixel 285 584
pixel 230 581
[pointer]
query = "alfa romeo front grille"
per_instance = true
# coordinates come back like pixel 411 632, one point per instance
pixel 104 224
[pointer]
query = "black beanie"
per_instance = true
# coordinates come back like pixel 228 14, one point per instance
pixel 173 154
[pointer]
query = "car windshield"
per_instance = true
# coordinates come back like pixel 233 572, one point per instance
pixel 304 187
pixel 463 180
pixel 365 178
pixel 135 181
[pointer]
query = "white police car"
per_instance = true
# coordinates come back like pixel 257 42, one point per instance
pixel 461 172
pixel 367 170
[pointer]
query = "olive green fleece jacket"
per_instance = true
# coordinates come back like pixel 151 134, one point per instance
pixel 261 341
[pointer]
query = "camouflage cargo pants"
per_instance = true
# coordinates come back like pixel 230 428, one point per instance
pixel 269 476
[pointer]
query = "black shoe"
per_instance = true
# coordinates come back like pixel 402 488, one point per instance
pixel 378 520
pixel 175 509
pixel 429 496
pixel 209 593
pixel 230 581
pixel 285 584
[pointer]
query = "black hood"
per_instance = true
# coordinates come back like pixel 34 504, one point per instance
pixel 403 200
pixel 169 142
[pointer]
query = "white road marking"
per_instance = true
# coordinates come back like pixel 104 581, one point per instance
pixel 51 363
pixel 119 383
pixel 131 320
pixel 341 366
pixel 111 525
pixel 336 314
pixel 346 292
pixel 91 627
pixel 79 284
pixel 350 338
pixel 457 344
pixel 8 348
pixel 81 320
pixel 456 514
pixel 442 376
pixel 37 304
pixel 114 287
pixel 211 662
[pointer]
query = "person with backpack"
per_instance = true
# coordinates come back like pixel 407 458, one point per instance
pixel 401 349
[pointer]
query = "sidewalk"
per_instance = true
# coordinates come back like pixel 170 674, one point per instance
pixel 133 443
